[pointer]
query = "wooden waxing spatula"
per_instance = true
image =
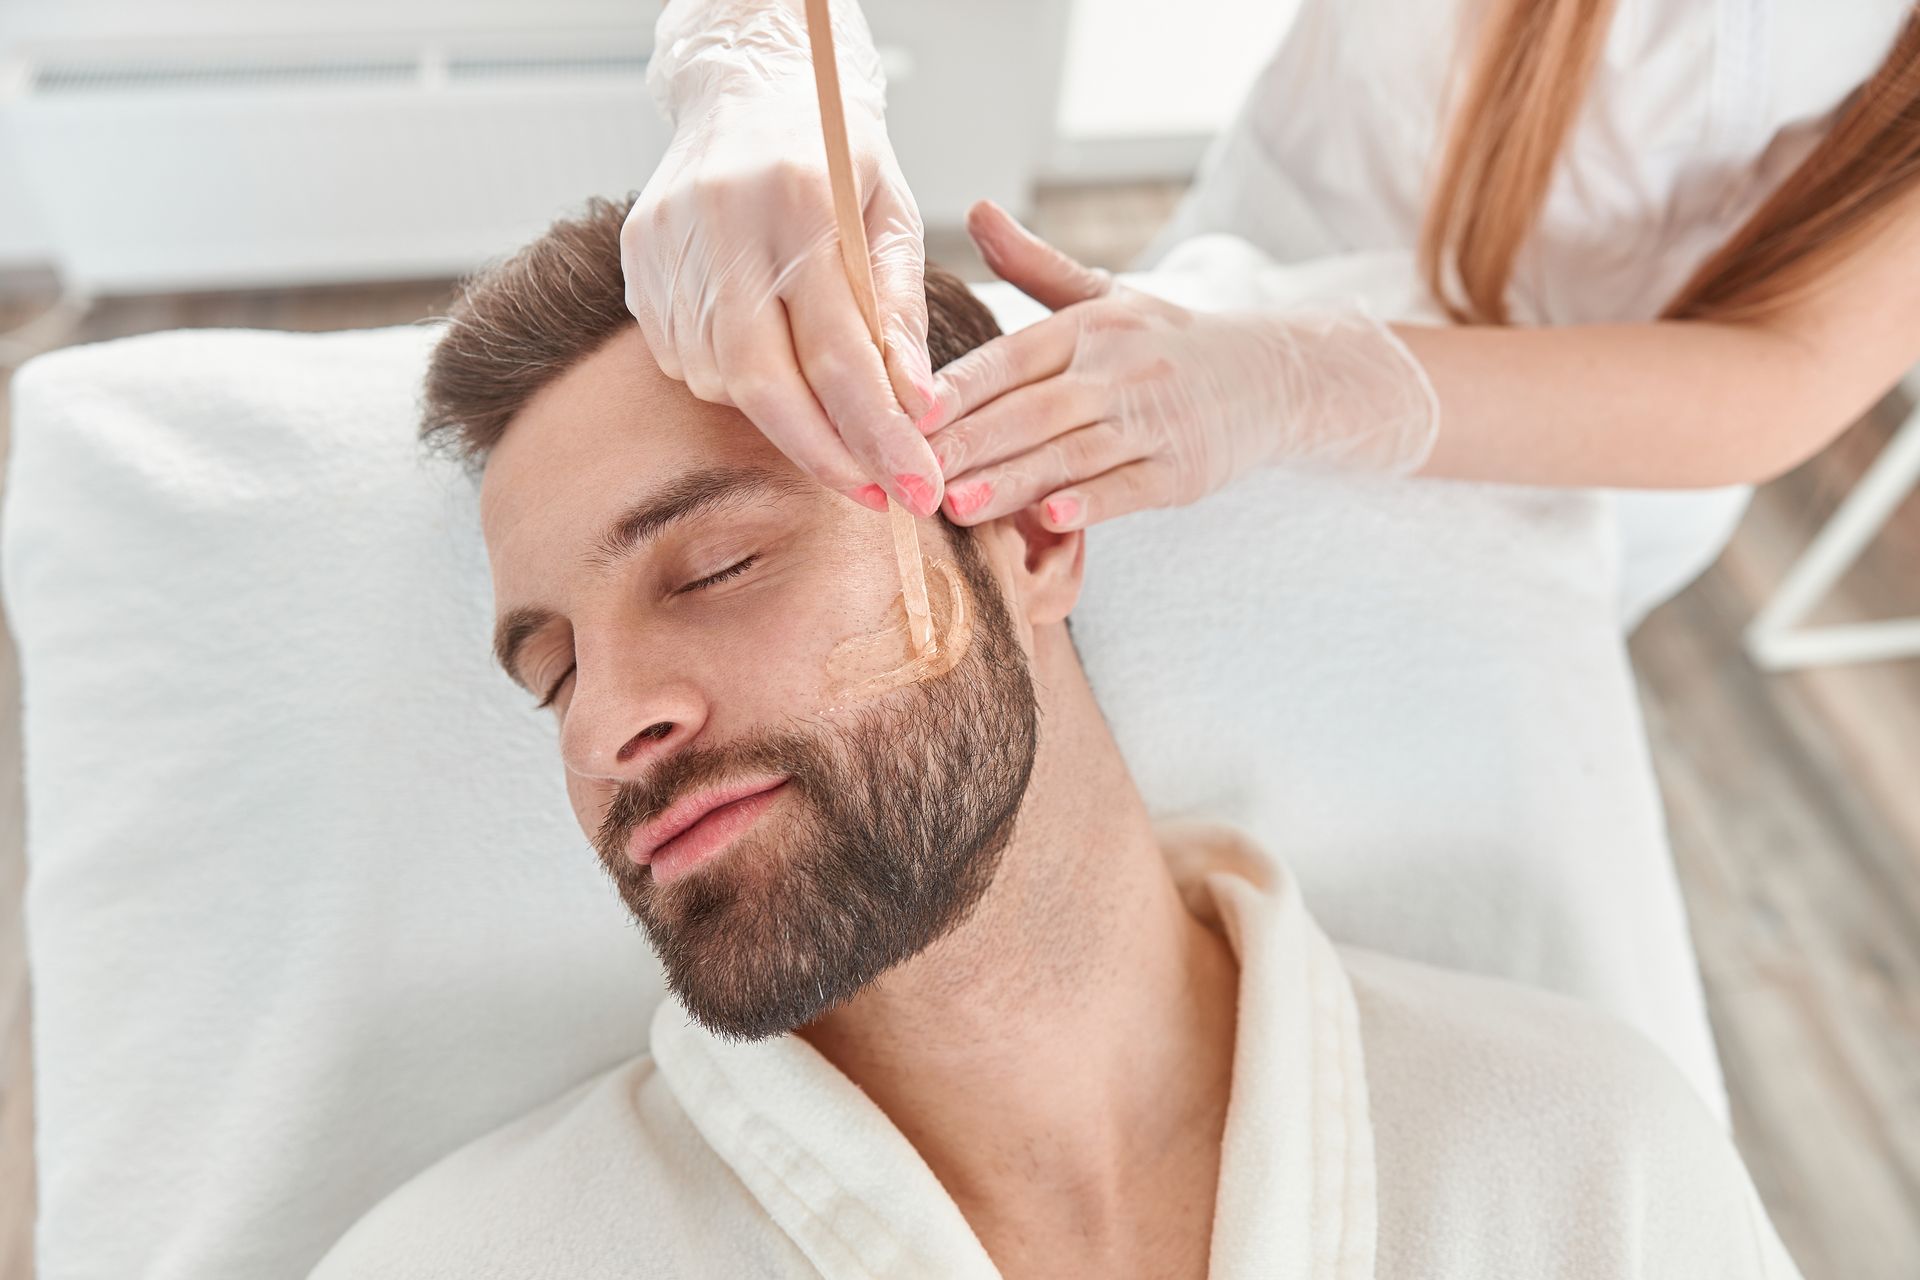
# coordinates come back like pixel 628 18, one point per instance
pixel 855 257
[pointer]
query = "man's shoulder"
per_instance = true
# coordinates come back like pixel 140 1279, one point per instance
pixel 1529 1130
pixel 573 1187
pixel 1545 1057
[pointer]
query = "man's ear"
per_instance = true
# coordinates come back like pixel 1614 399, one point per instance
pixel 1048 567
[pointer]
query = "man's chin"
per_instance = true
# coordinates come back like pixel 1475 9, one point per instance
pixel 776 935
pixel 780 931
pixel 739 995
pixel 741 941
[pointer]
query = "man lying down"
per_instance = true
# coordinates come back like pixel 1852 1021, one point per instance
pixel 945 1002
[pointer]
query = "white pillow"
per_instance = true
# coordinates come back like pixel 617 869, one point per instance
pixel 1415 691
pixel 307 907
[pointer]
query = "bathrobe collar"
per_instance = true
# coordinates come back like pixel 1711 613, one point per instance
pixel 1296 1192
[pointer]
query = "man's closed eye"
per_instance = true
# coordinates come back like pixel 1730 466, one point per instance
pixel 713 579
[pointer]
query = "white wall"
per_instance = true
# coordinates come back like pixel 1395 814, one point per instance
pixel 379 143
pixel 139 20
pixel 23 241
pixel 1134 67
pixel 1138 72
pixel 44 23
pixel 1150 68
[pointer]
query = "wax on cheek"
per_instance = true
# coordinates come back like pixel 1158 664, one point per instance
pixel 876 662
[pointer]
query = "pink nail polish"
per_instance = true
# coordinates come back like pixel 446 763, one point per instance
pixel 920 499
pixel 931 418
pixel 968 499
pixel 871 496
pixel 1063 511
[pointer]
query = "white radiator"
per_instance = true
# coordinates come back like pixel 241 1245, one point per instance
pixel 272 161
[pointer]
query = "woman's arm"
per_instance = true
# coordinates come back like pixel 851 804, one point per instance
pixel 1679 403
pixel 1120 401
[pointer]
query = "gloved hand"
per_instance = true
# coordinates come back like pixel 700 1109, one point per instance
pixel 1120 401
pixel 733 263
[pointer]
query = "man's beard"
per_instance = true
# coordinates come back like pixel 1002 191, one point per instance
pixel 889 832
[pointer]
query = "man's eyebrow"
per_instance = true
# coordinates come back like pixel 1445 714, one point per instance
pixel 695 493
pixel 511 634
pixel 692 494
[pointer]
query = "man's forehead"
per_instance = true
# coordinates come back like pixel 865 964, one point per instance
pixel 613 420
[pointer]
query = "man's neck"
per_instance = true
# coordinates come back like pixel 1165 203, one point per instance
pixel 1066 1054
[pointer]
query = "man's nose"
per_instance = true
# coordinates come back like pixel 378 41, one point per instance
pixel 620 723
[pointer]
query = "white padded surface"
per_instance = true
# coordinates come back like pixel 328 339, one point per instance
pixel 307 907
pixel 1416 691
pixel 306 904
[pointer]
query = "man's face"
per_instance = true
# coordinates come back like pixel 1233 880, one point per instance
pixel 678 586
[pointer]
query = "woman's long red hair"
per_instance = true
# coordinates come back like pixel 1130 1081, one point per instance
pixel 1534 63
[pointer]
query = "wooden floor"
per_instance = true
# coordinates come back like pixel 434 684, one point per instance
pixel 1794 803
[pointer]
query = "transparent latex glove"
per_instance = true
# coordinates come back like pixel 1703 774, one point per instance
pixel 732 259
pixel 1120 401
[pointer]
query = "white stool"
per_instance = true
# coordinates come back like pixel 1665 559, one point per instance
pixel 1775 639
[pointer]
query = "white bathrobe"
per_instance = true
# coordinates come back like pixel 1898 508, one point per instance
pixel 1386 1119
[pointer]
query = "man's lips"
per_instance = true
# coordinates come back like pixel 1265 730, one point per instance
pixel 649 837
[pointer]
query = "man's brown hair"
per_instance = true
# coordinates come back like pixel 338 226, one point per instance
pixel 519 324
